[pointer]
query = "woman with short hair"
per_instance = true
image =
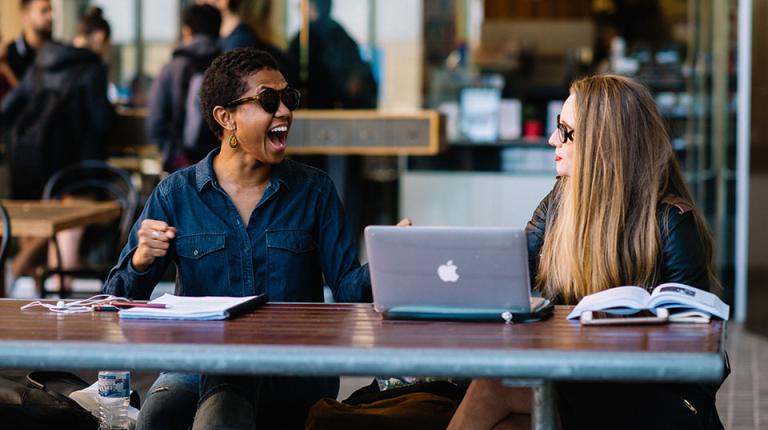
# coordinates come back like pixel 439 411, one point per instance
pixel 243 221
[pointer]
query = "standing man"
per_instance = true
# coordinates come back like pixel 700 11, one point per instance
pixel 37 28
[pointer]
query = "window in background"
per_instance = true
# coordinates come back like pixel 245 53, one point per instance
pixel 139 57
pixel 389 37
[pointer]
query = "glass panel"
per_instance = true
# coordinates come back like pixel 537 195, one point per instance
pixel 388 40
pixel 160 20
pixel 122 19
pixel 711 140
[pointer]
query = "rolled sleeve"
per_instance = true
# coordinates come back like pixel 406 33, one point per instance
pixel 124 280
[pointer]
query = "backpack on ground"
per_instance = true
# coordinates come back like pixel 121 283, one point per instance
pixel 26 403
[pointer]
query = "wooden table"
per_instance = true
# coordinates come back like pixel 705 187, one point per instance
pixel 45 218
pixel 350 339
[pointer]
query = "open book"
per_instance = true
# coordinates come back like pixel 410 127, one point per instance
pixel 685 303
pixel 170 307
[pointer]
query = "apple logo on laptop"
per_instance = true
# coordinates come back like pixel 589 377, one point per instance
pixel 447 272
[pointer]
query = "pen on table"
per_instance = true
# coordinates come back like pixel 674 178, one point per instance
pixel 138 305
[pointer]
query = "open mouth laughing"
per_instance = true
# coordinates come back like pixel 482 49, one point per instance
pixel 277 137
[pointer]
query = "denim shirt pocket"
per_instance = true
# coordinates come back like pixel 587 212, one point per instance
pixel 203 264
pixel 294 241
pixel 293 264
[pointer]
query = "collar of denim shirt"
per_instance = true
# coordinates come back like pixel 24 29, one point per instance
pixel 204 171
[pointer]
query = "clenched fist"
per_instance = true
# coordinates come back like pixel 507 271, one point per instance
pixel 154 241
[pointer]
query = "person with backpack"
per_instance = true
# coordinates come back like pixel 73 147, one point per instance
pixel 175 122
pixel 57 116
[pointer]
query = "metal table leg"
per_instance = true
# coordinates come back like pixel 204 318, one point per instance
pixel 543 416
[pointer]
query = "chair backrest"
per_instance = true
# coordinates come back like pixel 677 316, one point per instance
pixel 97 179
pixel 6 239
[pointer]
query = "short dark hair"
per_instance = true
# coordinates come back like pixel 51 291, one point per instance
pixel 202 19
pixel 225 80
pixel 94 21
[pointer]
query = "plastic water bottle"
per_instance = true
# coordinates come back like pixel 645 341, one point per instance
pixel 114 397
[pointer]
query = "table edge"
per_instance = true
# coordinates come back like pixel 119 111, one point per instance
pixel 307 360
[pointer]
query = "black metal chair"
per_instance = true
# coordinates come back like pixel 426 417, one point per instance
pixel 93 180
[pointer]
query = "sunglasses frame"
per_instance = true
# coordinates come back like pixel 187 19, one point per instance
pixel 563 133
pixel 258 98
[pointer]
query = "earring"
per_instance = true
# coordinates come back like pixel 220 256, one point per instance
pixel 233 142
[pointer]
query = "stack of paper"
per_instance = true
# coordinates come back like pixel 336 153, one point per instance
pixel 195 308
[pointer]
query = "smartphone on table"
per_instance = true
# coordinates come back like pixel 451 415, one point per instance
pixel 614 318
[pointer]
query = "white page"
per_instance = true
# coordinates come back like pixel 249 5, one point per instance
pixel 671 294
pixel 690 316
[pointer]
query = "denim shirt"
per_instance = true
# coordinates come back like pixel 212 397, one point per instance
pixel 295 242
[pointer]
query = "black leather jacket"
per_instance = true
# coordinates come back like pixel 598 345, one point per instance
pixel 682 260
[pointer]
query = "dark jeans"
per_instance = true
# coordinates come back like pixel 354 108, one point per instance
pixel 637 406
pixel 179 401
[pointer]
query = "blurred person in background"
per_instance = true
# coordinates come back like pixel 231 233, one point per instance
pixel 94 33
pixel 174 121
pixel 8 79
pixel 37 28
pixel 338 76
pixel 58 115
pixel 236 33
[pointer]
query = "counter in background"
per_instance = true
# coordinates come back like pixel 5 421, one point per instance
pixel 329 132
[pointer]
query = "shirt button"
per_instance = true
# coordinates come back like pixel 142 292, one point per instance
pixel 195 252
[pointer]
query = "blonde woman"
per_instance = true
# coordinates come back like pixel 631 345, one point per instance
pixel 619 214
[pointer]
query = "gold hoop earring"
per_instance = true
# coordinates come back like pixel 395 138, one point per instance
pixel 233 142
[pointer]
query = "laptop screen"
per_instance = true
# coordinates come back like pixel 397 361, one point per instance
pixel 462 268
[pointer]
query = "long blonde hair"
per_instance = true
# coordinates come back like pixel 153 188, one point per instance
pixel 604 230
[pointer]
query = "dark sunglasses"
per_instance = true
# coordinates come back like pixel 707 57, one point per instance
pixel 563 132
pixel 270 99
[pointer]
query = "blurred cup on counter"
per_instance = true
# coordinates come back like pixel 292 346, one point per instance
pixel 451 112
pixel 510 119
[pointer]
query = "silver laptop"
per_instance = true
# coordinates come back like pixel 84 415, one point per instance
pixel 468 273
